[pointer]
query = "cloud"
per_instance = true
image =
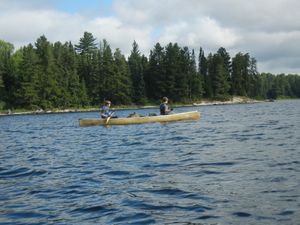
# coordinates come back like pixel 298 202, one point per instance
pixel 119 34
pixel 195 32
pixel 23 27
pixel 267 30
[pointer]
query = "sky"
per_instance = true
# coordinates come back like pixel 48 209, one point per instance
pixel 269 30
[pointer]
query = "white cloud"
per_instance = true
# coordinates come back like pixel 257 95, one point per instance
pixel 118 34
pixel 268 30
pixel 196 33
pixel 24 27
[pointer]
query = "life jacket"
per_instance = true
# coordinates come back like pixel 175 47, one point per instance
pixel 105 110
pixel 163 108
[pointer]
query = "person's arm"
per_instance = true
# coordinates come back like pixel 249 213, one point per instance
pixel 167 109
pixel 103 115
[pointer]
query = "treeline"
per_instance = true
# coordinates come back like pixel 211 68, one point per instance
pixel 47 75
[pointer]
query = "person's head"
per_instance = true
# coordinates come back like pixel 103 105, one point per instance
pixel 165 99
pixel 107 103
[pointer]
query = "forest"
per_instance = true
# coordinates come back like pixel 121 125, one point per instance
pixel 62 75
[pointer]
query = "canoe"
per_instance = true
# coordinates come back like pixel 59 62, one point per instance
pixel 194 115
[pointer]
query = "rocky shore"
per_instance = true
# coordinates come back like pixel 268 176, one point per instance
pixel 234 100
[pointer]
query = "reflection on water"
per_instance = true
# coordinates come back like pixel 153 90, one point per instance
pixel 238 165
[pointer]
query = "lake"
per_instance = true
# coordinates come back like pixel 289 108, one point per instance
pixel 239 164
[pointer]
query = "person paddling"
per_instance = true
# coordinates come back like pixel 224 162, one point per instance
pixel 105 110
pixel 164 108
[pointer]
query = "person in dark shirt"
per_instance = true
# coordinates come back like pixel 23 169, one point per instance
pixel 164 108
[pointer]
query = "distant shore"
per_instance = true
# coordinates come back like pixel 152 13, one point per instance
pixel 234 100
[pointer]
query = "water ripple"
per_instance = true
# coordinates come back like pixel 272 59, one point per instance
pixel 238 165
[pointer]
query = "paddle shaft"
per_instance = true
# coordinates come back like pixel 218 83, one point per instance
pixel 108 118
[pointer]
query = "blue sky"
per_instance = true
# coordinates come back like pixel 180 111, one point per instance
pixel 102 7
pixel 269 30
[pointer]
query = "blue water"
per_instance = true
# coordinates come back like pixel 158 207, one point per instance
pixel 239 164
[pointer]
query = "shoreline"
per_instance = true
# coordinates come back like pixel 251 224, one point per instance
pixel 234 100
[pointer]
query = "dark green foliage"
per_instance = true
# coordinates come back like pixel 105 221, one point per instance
pixel 174 73
pixel 47 75
pixel 203 73
pixel 218 76
pixel 135 61
pixel 239 72
pixel 87 44
pixel 208 79
pixel 123 84
pixel 27 95
pixel 88 67
pixel 107 77
pixel 155 73
pixel 195 80
pixel 8 80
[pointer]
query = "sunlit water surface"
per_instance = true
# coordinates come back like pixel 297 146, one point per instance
pixel 239 164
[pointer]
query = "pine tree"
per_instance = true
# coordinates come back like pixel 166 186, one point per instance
pixel 239 68
pixel 227 64
pixel 28 93
pixel 87 49
pixel 195 82
pixel 108 73
pixel 7 76
pixel 253 79
pixel 97 88
pixel 48 74
pixel 219 74
pixel 87 44
pixel 208 87
pixel 69 81
pixel 183 75
pixel 136 70
pixel 173 70
pixel 155 75
pixel 202 69
pixel 123 80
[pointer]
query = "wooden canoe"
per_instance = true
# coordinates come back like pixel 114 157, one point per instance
pixel 194 115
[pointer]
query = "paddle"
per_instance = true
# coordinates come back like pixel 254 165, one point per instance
pixel 108 118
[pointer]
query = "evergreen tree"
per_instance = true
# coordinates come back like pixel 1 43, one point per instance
pixel 123 79
pixel 183 76
pixel 87 44
pixel 28 93
pixel 208 86
pixel 97 87
pixel 60 75
pixel 219 76
pixel 227 64
pixel 48 74
pixel 69 81
pixel 195 81
pixel 294 85
pixel 7 76
pixel 202 69
pixel 108 73
pixel 155 75
pixel 173 71
pixel 240 75
pixel 63 73
pixel 136 70
pixel 87 48
pixel 253 79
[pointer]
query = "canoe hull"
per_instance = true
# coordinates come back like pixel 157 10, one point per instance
pixel 194 115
